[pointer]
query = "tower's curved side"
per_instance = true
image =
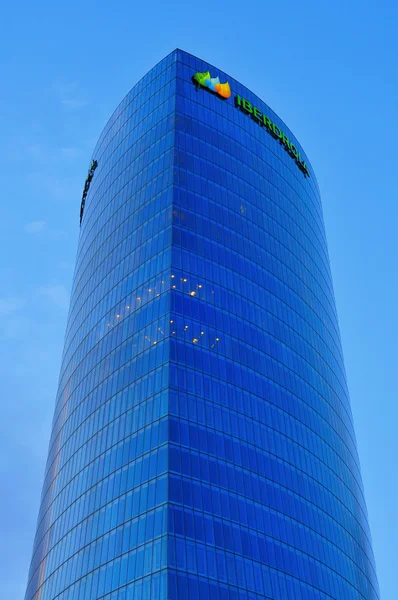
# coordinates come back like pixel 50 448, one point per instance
pixel 202 442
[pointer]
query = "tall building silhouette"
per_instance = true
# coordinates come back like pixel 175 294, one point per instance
pixel 202 444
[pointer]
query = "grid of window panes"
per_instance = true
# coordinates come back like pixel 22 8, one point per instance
pixel 202 443
pixel 265 491
pixel 103 519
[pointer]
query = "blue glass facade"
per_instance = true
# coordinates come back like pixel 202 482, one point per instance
pixel 202 444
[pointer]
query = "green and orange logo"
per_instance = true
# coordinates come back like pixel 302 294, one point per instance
pixel 212 83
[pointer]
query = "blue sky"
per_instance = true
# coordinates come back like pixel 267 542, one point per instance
pixel 329 69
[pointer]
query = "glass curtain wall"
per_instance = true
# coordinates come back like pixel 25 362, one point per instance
pixel 203 444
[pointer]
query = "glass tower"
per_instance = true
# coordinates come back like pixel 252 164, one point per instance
pixel 202 444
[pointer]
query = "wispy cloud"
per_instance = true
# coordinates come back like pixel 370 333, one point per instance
pixel 61 187
pixel 57 294
pixel 35 227
pixel 36 150
pixel 69 95
pixel 71 153
pixel 58 235
pixel 74 103
pixel 11 304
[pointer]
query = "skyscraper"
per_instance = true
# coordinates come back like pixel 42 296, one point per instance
pixel 202 443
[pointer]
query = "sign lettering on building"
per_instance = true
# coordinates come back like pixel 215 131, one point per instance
pixel 213 84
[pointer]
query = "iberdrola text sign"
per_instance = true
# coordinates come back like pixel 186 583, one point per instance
pixel 223 90
pixel 273 129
